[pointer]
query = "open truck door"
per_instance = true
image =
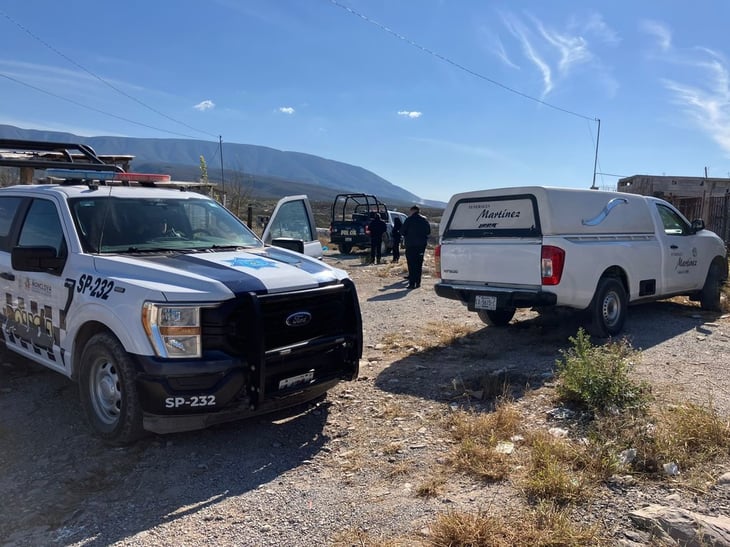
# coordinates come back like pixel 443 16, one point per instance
pixel 292 226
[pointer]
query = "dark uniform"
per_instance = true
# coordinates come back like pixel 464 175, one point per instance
pixel 396 237
pixel 415 231
pixel 376 228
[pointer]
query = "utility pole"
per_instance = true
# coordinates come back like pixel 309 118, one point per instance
pixel 223 182
pixel 595 161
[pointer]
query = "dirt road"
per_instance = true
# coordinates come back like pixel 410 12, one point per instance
pixel 348 467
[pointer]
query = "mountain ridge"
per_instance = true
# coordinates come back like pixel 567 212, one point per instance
pixel 270 171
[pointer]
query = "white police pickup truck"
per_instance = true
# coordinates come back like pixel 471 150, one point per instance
pixel 169 312
pixel 538 247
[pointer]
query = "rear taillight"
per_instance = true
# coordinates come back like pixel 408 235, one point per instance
pixel 551 264
pixel 437 261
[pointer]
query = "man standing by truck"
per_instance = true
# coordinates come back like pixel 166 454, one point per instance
pixel 415 232
pixel 376 228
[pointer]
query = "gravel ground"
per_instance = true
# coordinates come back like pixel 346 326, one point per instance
pixel 344 471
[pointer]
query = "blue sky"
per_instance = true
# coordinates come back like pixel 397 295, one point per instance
pixel 413 90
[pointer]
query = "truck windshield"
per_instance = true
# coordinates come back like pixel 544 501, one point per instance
pixel 110 224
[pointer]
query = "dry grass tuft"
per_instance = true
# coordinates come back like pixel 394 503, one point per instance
pixel 431 488
pixel 688 435
pixel 542 526
pixel 479 435
pixel 398 470
pixel 433 335
pixel 391 410
pixel 554 472
pixel 392 448
pixel 356 537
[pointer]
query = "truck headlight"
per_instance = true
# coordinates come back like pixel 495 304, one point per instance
pixel 174 331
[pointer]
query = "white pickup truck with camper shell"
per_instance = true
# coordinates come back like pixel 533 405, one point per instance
pixel 169 312
pixel 541 247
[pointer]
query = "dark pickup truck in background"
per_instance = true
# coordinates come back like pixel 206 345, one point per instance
pixel 351 213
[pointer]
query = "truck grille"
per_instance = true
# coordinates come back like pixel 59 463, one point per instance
pixel 255 323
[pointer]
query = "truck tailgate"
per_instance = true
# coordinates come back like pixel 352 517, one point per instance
pixel 492 261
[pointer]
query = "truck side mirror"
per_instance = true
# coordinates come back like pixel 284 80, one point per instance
pixel 698 224
pixel 36 259
pixel 289 243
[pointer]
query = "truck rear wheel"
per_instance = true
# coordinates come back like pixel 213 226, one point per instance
pixel 345 248
pixel 608 308
pixel 497 318
pixel 108 392
pixel 710 293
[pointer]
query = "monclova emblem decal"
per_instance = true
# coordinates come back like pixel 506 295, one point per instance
pixel 299 319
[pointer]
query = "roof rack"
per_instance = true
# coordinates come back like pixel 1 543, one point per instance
pixel 50 155
pixel 74 163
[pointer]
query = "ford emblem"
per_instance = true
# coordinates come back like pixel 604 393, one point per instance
pixel 299 319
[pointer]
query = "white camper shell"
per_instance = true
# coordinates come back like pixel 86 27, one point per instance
pixel 523 247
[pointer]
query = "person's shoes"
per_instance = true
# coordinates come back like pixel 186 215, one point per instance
pixel 378 261
pixel 411 286
pixel 418 285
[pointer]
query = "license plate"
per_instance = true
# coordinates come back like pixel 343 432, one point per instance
pixel 348 239
pixel 296 380
pixel 482 302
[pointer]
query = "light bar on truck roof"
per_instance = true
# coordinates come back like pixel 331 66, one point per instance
pixel 81 174
pixel 142 177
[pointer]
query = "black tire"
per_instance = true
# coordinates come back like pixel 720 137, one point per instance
pixel 108 390
pixel 608 308
pixel 345 248
pixel 497 318
pixel 710 293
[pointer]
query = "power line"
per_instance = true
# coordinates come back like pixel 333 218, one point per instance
pixel 82 105
pixel 102 80
pixel 455 64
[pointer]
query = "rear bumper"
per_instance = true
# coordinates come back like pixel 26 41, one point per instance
pixel 507 297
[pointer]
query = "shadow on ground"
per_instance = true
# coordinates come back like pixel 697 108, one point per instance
pixel 56 477
pixel 492 361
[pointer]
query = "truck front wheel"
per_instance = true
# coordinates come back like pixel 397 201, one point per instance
pixel 497 318
pixel 108 391
pixel 710 293
pixel 608 309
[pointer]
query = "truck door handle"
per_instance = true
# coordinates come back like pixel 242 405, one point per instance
pixel 673 247
pixel 7 275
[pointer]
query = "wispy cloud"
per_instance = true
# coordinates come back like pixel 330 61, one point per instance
pixel 287 110
pixel 468 149
pixel 410 113
pixel 659 32
pixel 555 52
pixel 496 46
pixel 595 25
pixel 572 50
pixel 522 34
pixel 707 103
pixel 205 105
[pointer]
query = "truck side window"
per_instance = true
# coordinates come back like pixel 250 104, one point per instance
pixel 292 221
pixel 42 227
pixel 673 223
pixel 8 209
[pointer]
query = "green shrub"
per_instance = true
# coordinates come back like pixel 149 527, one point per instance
pixel 597 377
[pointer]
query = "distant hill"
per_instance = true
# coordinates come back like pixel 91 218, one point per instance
pixel 265 172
